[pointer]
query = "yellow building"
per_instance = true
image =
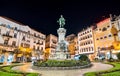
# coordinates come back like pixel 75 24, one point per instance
pixel 76 45
pixel 72 47
pixel 115 22
pixel 103 37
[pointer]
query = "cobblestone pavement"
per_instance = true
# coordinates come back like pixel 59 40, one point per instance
pixel 77 72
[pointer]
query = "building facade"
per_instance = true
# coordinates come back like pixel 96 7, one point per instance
pixel 115 22
pixel 86 42
pixel 72 47
pixel 15 35
pixel 51 43
pixel 76 45
pixel 103 37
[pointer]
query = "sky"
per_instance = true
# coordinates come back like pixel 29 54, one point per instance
pixel 42 15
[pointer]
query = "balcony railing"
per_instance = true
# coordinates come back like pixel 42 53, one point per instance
pixel 7 35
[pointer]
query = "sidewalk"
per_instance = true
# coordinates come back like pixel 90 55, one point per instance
pixel 12 64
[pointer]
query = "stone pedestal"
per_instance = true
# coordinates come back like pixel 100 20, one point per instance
pixel 62 46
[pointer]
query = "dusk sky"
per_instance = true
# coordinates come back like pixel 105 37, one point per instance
pixel 42 15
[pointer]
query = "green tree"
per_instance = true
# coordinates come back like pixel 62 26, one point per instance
pixel 84 58
pixel 118 55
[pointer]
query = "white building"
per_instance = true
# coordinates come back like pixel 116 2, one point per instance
pixel 14 35
pixel 86 41
pixel 51 43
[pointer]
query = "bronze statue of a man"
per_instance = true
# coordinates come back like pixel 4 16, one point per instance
pixel 61 21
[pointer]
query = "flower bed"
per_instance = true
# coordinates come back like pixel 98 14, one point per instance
pixel 112 72
pixel 6 71
pixel 61 63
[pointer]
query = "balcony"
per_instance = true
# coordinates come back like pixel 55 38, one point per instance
pixel 39 43
pixel 7 35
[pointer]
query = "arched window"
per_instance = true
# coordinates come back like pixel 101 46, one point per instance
pixel 89 49
pixel 86 49
pixel 104 29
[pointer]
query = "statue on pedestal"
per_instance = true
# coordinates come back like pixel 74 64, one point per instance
pixel 61 51
pixel 61 21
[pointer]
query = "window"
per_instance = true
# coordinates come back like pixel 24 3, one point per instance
pixel 15 35
pixel 41 48
pixel 89 49
pixel 35 34
pixel 28 32
pixel 90 35
pixel 84 49
pixel 101 37
pixel 104 29
pixel 23 38
pixel 105 36
pixel 7 33
pixel 38 42
pixel 34 41
pixel 34 47
pixel 15 28
pixel 109 35
pixel 38 36
pixel 108 26
pixel 13 43
pixel 54 41
pixel 6 42
pixel 26 45
pixel 97 39
pixel 21 44
pixel 38 48
pixel 100 29
pixel 92 48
